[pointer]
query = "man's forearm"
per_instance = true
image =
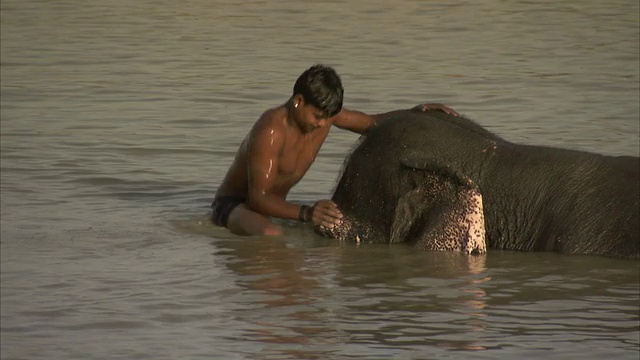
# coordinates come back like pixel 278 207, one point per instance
pixel 360 122
pixel 274 206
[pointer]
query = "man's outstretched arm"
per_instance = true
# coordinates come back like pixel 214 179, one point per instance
pixel 360 122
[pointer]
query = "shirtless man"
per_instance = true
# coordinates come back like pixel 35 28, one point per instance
pixel 279 150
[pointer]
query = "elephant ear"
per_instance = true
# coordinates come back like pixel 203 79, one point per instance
pixel 427 162
pixel 440 215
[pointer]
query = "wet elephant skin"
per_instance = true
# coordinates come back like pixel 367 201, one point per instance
pixel 535 198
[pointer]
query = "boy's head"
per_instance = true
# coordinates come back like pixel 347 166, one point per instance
pixel 321 87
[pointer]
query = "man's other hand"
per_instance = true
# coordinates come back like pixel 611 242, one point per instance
pixel 441 107
pixel 325 213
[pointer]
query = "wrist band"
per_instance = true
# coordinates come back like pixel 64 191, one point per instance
pixel 302 215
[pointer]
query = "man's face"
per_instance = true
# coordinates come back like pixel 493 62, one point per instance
pixel 311 118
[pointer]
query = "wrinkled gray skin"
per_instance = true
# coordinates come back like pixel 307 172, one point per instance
pixel 417 177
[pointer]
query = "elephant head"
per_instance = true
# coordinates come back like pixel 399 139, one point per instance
pixel 407 199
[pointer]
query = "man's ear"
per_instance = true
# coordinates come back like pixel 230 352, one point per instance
pixel 298 100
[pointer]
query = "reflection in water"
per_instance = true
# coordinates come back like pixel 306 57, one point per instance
pixel 425 298
pixel 336 295
pixel 286 281
pixel 477 302
pixel 316 299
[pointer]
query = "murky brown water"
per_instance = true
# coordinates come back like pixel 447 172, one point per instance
pixel 119 119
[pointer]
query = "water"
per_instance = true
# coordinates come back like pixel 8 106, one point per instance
pixel 119 119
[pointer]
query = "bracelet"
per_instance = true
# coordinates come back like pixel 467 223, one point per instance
pixel 302 215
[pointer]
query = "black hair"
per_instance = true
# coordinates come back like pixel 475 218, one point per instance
pixel 321 87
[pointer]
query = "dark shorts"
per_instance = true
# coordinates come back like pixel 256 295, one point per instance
pixel 223 206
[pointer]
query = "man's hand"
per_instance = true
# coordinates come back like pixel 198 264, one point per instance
pixel 325 213
pixel 429 107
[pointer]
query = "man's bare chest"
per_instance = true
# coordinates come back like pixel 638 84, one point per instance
pixel 298 154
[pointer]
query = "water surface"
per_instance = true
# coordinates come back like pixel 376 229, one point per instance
pixel 119 119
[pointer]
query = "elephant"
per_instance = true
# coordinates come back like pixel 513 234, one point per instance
pixel 443 182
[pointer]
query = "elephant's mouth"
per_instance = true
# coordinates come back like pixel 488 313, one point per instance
pixel 348 230
pixel 466 234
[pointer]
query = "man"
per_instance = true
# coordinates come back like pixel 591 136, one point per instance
pixel 278 151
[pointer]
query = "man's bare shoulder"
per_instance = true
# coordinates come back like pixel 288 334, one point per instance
pixel 276 116
pixel 270 127
pixel 272 122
